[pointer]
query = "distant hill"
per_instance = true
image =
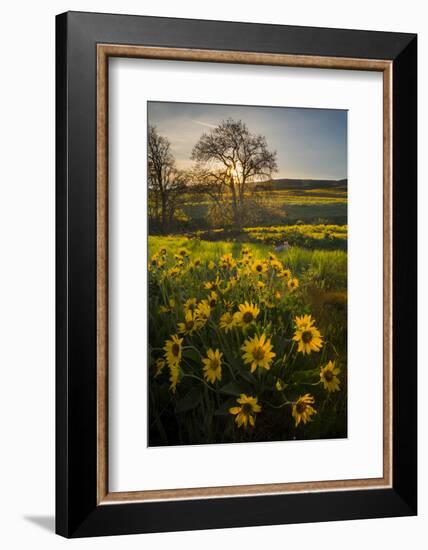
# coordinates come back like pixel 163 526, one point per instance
pixel 286 183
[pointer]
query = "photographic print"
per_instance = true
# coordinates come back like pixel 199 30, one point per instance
pixel 247 262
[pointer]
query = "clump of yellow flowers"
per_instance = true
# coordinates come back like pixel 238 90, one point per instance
pixel 236 340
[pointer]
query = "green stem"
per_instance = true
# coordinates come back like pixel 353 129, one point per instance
pixel 185 375
pixel 278 406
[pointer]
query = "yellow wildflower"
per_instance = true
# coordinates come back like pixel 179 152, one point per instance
pixel 259 267
pixel 227 322
pixel 213 285
pixel 258 352
pixel 246 315
pixel 173 350
pixel 285 273
pixel 189 325
pixel 160 364
pixel 212 299
pixel 212 365
pixel 227 261
pixel 246 411
pixel 276 265
pixel 202 312
pixel 174 376
pixel 189 305
pixel 302 409
pixel 308 337
pixel 328 376
pixel 280 385
pixel 169 307
pixel 293 284
pixel 304 321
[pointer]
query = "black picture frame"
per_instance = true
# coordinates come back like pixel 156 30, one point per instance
pixel 77 511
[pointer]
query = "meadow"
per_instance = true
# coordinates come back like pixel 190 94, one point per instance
pixel 247 276
pixel 312 205
pixel 247 343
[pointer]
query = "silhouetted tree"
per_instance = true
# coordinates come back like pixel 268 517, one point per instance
pixel 166 182
pixel 230 157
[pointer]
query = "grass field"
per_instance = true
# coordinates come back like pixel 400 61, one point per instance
pixel 246 345
pixel 291 206
pixel 327 267
pixel 309 236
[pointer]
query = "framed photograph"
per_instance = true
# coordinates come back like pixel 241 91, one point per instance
pixel 236 274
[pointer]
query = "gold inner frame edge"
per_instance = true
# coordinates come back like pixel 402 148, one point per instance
pixel 104 51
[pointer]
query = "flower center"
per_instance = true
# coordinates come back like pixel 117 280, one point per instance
pixel 328 375
pixel 213 302
pixel 175 349
pixel 247 408
pixel 307 336
pixel 248 317
pixel 259 268
pixel 300 408
pixel 215 364
pixel 258 354
pixel 189 325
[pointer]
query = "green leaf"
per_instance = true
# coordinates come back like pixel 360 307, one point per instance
pixel 311 375
pixel 190 401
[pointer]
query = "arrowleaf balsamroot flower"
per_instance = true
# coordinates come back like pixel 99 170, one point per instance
pixel 246 315
pixel 190 305
pixel 168 308
pixel 293 284
pixel 160 364
pixel 285 273
pixel 246 411
pixel 212 365
pixel 308 336
pixel 202 312
pixel 258 352
pixel 173 350
pixel 227 322
pixel 227 261
pixel 174 376
pixel 191 323
pixel 328 376
pixel 304 321
pixel 259 267
pixel 302 409
pixel 212 299
pixel 213 285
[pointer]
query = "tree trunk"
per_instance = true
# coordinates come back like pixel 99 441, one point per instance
pixel 164 219
pixel 235 206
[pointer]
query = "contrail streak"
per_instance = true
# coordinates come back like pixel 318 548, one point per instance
pixel 207 124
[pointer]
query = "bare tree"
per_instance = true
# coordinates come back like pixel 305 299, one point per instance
pixel 166 183
pixel 231 157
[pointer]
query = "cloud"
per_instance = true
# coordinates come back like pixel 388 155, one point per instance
pixel 207 124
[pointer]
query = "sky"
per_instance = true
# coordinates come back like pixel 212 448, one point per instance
pixel 310 143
